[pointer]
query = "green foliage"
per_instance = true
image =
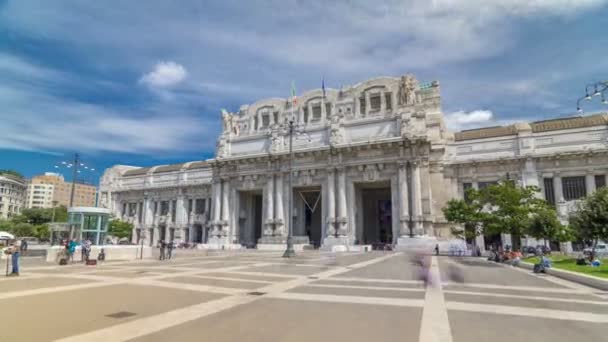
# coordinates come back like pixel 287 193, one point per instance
pixel 510 207
pixel 590 219
pixel 545 225
pixel 467 213
pixel 120 228
pixel 499 208
pixel 42 232
pixel 37 216
pixel 22 229
pixel 11 173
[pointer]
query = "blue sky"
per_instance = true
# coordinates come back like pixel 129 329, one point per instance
pixel 143 82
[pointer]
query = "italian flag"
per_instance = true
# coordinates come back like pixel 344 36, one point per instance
pixel 294 97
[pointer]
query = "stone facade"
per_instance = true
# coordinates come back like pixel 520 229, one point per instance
pixel 373 162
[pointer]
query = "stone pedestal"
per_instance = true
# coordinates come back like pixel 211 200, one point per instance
pixel 220 242
pixel 416 243
pixel 337 243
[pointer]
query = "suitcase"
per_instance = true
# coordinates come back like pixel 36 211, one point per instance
pixel 91 262
pixel 63 261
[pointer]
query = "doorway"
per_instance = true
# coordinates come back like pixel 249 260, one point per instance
pixel 162 232
pixel 250 218
pixel 307 201
pixel 375 214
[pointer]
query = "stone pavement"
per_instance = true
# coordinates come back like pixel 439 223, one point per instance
pixel 317 296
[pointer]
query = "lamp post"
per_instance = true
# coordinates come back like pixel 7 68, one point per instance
pixel 289 251
pixel 142 230
pixel 599 88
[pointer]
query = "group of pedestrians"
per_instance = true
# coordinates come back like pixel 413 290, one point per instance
pixel 166 250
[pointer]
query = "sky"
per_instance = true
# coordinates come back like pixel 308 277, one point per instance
pixel 143 82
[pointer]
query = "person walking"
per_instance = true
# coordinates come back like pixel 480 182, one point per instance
pixel 14 251
pixel 437 249
pixel 161 244
pixel 72 249
pixel 169 250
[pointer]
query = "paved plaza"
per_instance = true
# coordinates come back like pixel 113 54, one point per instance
pixel 259 296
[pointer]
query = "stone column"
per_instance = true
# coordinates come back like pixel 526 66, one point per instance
pixel 331 203
pixel 217 207
pixel 367 104
pixel 225 206
pixel 279 217
pixel 557 187
pixel 382 102
pixel 342 210
pixel 416 198
pixel 403 202
pixel 590 183
pixel 269 223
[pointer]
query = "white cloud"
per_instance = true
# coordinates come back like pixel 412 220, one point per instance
pixel 34 120
pixel 465 120
pixel 165 74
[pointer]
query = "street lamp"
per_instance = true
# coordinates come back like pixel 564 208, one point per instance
pixel 599 88
pixel 142 230
pixel 289 251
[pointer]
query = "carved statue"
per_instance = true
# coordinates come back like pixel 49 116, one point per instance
pixel 276 142
pixel 335 129
pixel 407 90
pixel 228 119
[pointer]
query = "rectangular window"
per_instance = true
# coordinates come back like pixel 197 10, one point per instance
pixel 255 122
pixel 164 208
pixel 132 209
pixel 327 110
pixel 275 117
pixel 600 181
pixel 316 113
pixel 362 105
pixel 374 102
pixel 265 120
pixel 465 187
pixel 189 206
pixel 200 205
pixel 173 210
pixel 124 208
pixel 574 187
pixel 305 110
pixel 549 191
pixel 389 101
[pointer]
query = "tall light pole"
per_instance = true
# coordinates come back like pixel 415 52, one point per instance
pixel 599 88
pixel 74 174
pixel 142 230
pixel 289 251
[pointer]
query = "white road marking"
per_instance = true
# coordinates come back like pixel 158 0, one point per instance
pixel 376 280
pixel 529 312
pixel 379 288
pixel 46 290
pixel 551 299
pixel 265 274
pixel 349 299
pixel 152 324
pixel 518 288
pixel 435 325
pixel 188 286
pixel 233 279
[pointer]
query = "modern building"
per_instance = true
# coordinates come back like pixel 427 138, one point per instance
pixel 372 163
pixel 12 195
pixel 53 184
pixel 39 195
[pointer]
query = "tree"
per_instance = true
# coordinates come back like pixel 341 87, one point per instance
pixel 42 232
pixel 590 219
pixel 510 207
pixel 11 172
pixel 22 229
pixel 120 228
pixel 545 225
pixel 466 212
